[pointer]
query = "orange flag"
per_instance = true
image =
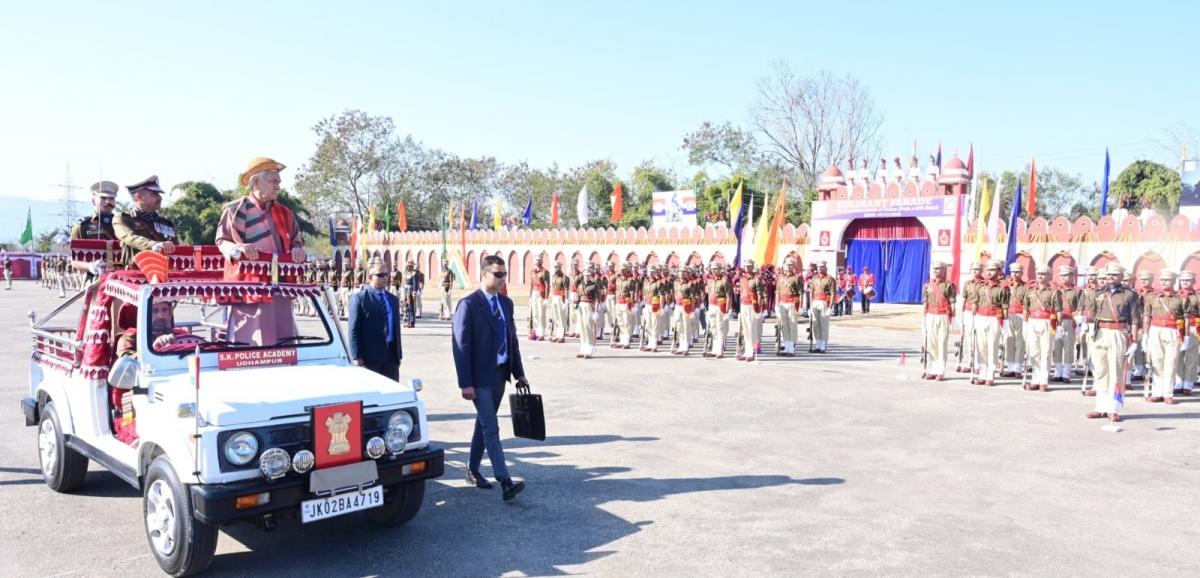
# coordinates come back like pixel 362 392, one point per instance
pixel 615 200
pixel 554 210
pixel 1029 210
pixel 401 216
pixel 777 221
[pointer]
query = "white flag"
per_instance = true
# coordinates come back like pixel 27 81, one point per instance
pixel 581 207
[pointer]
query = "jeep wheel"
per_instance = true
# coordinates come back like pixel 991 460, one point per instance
pixel 401 503
pixel 181 544
pixel 62 467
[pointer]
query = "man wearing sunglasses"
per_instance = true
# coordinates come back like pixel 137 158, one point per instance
pixel 375 324
pixel 142 228
pixel 486 356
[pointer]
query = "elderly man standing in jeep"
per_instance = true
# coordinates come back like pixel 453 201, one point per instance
pixel 253 228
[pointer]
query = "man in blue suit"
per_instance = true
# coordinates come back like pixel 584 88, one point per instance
pixel 375 324
pixel 486 355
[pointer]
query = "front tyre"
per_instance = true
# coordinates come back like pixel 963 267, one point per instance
pixel 401 504
pixel 63 468
pixel 181 544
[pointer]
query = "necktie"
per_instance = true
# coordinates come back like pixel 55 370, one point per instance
pixel 500 323
pixel 391 322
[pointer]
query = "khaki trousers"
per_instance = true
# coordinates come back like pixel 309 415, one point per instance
pixel 937 342
pixel 587 328
pixel 1038 344
pixel 1162 350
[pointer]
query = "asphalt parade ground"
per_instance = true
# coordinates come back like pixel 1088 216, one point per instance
pixel 838 464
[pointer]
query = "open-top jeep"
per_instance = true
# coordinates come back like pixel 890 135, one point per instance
pixel 209 397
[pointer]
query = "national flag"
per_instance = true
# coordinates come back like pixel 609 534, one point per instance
pixel 371 220
pixel 738 209
pixel 1104 187
pixel 401 216
pixel 474 215
pixel 615 199
pixel 554 210
pixel 527 216
pixel 776 228
pixel 27 234
pixel 1031 211
pixel 581 207
pixel 332 234
pixel 456 260
pixel 994 215
pixel 354 240
pixel 1011 253
pixel 956 238
pixel 497 222
pixel 985 209
pixel 445 225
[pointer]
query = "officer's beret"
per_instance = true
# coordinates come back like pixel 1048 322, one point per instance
pixel 258 165
pixel 150 184
pixel 105 189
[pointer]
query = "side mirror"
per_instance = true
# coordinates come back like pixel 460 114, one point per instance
pixel 416 384
pixel 124 373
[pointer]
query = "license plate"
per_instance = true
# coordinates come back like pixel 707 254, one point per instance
pixel 322 508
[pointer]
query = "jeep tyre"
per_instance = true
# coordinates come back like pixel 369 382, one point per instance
pixel 400 504
pixel 63 468
pixel 181 544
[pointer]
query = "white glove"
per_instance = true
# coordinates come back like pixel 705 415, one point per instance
pixel 1187 343
pixel 98 267
pixel 1078 321
pixel 1058 335
pixel 1133 347
pixel 1005 332
pixel 1143 342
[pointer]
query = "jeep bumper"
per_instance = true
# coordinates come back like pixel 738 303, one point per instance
pixel 29 407
pixel 217 503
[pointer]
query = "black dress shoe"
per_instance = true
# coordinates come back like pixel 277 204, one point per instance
pixel 511 488
pixel 478 481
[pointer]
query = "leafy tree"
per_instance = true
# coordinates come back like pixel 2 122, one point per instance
pixel 725 144
pixel 44 242
pixel 196 212
pixel 647 180
pixel 1147 184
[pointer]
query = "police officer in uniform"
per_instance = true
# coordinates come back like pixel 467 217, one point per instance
pixel 539 291
pixel 98 226
pixel 1091 288
pixel 753 297
pixel 788 287
pixel 1189 354
pixel 1040 321
pixel 1113 329
pixel 142 228
pixel 8 268
pixel 560 286
pixel 968 316
pixel 938 297
pixel 720 303
pixel 991 303
pixel 823 289
pixel 591 290
pixel 1070 318
pixel 1014 329
pixel 446 282
pixel 1144 290
pixel 1164 326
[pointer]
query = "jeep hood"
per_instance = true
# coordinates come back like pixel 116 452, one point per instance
pixel 242 396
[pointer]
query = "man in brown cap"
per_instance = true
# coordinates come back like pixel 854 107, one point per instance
pixel 991 302
pixel 97 226
pixel 1165 326
pixel 1069 298
pixel 1014 326
pixel 1189 353
pixel 938 298
pixel 1113 329
pixel 823 288
pixel 1040 322
pixel 539 290
pixel 142 228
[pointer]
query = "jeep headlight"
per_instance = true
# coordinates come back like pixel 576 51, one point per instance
pixel 241 448
pixel 400 425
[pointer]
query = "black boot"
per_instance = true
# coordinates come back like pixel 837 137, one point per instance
pixel 511 488
pixel 478 481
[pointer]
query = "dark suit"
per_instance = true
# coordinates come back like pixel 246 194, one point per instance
pixel 368 332
pixel 478 337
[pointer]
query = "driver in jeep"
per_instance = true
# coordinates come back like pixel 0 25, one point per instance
pixel 163 332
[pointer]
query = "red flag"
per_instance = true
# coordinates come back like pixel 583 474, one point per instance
pixel 615 200
pixel 401 216
pixel 1032 206
pixel 554 210
pixel 971 162
pixel 354 240
pixel 956 248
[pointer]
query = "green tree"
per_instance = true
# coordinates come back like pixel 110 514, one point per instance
pixel 725 144
pixel 44 242
pixel 647 180
pixel 196 212
pixel 1147 184
pixel 1058 193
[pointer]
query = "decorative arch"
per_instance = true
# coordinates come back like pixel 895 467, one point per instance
pixel 525 262
pixel 472 268
pixel 1103 259
pixel 435 264
pixel 1028 266
pixel 717 257
pixel 1149 261
pixel 421 264
pixel 561 259
pixel 695 259
pixel 594 258
pixel 1191 263
pixel 673 261
pixel 1058 260
pixel 651 258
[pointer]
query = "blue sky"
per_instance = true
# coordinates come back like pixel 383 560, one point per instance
pixel 194 90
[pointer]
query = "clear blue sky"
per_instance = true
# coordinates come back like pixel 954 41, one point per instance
pixel 194 90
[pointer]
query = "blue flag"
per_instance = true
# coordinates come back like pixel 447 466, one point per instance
pixel 738 225
pixel 1011 253
pixel 332 234
pixel 474 215
pixel 527 218
pixel 1104 199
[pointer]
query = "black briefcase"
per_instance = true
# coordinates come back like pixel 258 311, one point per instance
pixel 529 420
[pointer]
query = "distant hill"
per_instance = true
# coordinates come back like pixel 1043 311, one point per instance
pixel 47 215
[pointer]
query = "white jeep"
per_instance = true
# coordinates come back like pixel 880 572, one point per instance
pixel 186 402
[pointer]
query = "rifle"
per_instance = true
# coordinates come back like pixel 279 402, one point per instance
pixel 1087 365
pixel 924 348
pixel 1025 360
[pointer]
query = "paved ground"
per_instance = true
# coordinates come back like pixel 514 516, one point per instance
pixel 842 464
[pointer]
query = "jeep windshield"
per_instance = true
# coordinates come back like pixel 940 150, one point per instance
pixel 179 324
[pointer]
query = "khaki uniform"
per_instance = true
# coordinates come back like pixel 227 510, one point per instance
pixel 139 231
pixel 1082 335
pixel 788 290
pixel 1189 357
pixel 938 298
pixel 591 290
pixel 823 290
pixel 1014 339
pixel 684 307
pixel 991 302
pixel 639 302
pixel 560 285
pixel 1138 368
pixel 446 283
pixel 1112 314
pixel 539 290
pixel 652 290
pixel 1163 322
pixel 753 297
pixel 666 294
pixel 1062 358
pixel 967 320
pixel 573 302
pixel 720 302
pixel 623 312
pixel 1041 305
